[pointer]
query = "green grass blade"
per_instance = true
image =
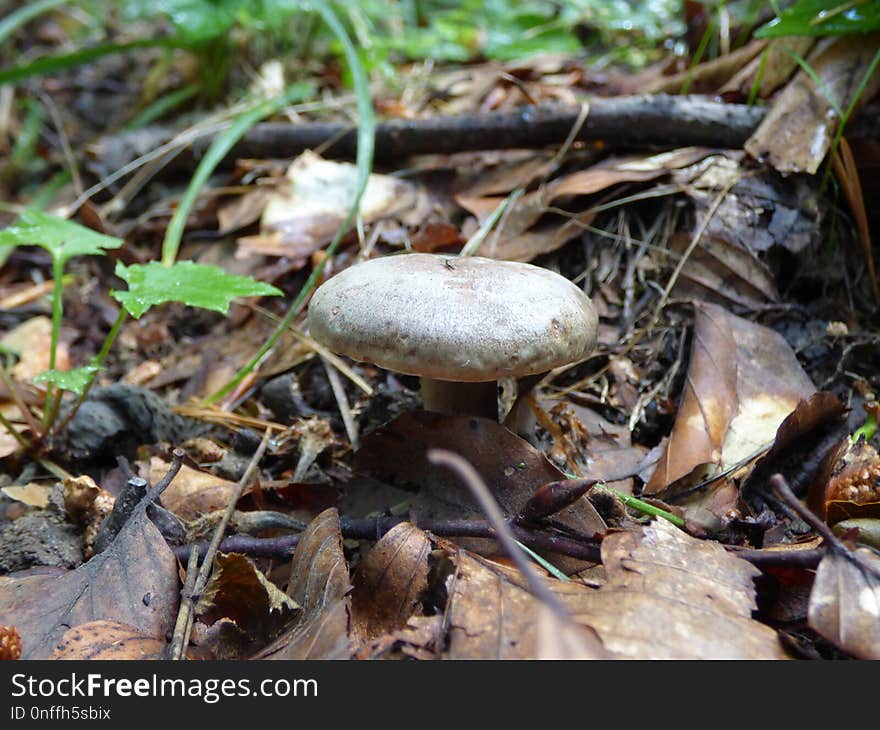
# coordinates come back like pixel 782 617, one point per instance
pixel 365 149
pixel 161 106
pixel 216 152
pixel 51 64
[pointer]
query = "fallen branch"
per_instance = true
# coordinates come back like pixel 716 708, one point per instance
pixel 371 528
pixel 630 121
pixel 659 121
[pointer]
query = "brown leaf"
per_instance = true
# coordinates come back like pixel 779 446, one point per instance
pixel 106 640
pixel 667 595
pixel 845 602
pixel 770 69
pixel 31 494
pixel 300 219
pixel 31 341
pixel 134 581
pixel 319 582
pixel 521 240
pixel 670 595
pixel 389 582
pixel 708 404
pixel 768 383
pixel 511 467
pixel 240 592
pixel 192 493
pixel 760 210
pixel 796 133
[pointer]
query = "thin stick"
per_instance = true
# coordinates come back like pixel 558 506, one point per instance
pixel 372 528
pixel 342 401
pixel 480 491
pixel 780 485
pixel 185 616
pixel 698 236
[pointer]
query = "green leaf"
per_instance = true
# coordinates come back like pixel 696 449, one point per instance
pixel 197 285
pixel 74 380
pixel 822 18
pixel 61 238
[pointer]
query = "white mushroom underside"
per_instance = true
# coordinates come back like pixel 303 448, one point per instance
pixel 450 318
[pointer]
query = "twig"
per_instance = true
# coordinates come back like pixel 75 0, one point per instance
pixel 481 493
pixel 336 386
pixel 372 528
pixel 637 121
pixel 185 615
pixel 780 485
pixel 834 543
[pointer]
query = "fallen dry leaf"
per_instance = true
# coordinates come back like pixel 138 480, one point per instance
pixel 108 640
pixel 708 403
pixel 845 602
pixel 134 581
pixel 511 467
pixel 299 220
pixel 239 591
pixel 319 583
pixel 389 582
pixel 769 70
pixel 743 381
pixel 192 493
pixel 760 210
pixel 31 340
pixel 671 595
pixel 797 132
pixel 667 595
pixel 31 494
pixel 522 238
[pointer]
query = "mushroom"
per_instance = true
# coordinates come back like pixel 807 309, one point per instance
pixel 459 323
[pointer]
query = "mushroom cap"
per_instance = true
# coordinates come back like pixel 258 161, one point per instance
pixel 466 319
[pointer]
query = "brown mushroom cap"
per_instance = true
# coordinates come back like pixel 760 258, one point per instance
pixel 464 319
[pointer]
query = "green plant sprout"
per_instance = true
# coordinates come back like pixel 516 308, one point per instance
pixel 643 507
pixel 192 284
pixel 867 430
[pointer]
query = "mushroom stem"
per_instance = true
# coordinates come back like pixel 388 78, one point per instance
pixel 472 399
pixel 521 419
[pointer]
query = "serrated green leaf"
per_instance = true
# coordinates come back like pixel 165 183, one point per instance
pixel 74 380
pixel 197 285
pixel 62 238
